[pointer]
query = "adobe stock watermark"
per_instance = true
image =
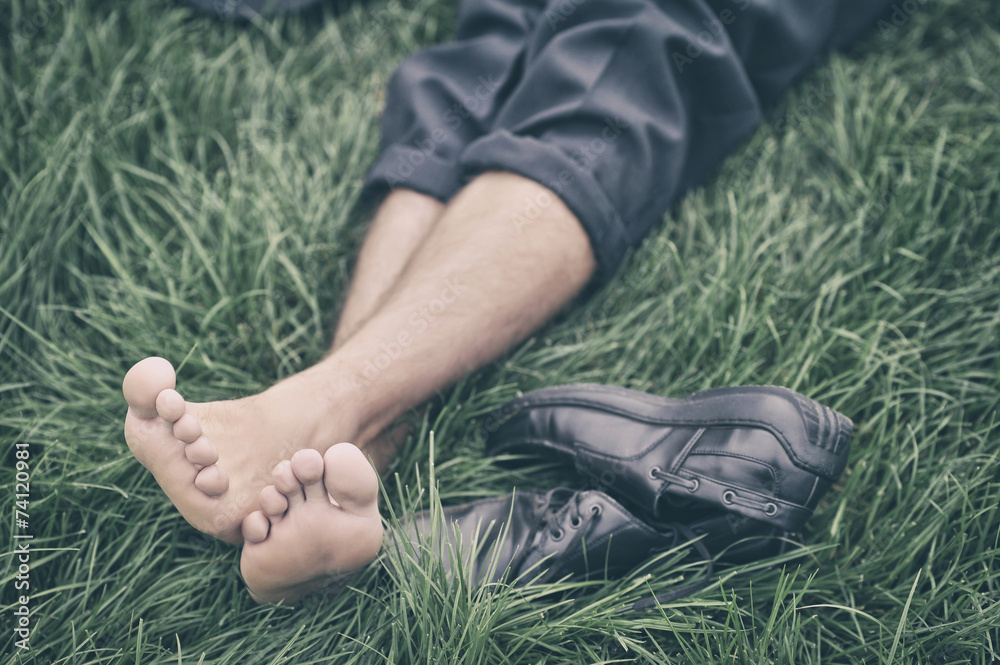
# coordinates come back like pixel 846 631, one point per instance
pixel 453 119
pixel 22 546
pixel 377 24
pixel 714 34
pixel 901 14
pixel 257 140
pixel 561 12
pixel 815 98
pixel 584 158
pixel 131 100
pixel 29 26
pixel 418 322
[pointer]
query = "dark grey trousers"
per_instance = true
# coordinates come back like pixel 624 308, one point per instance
pixel 617 106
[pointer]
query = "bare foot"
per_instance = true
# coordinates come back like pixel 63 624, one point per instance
pixel 317 523
pixel 213 459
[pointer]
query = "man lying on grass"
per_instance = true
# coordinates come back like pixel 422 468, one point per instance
pixel 518 165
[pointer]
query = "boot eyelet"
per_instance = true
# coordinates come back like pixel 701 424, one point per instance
pixel 728 496
pixel 771 510
pixel 694 485
pixel 654 472
pixel 596 510
pixel 557 534
pixel 575 522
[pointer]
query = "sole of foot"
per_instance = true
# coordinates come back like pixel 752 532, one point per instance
pixel 166 437
pixel 318 523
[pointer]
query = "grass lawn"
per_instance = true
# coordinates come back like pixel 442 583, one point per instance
pixel 180 187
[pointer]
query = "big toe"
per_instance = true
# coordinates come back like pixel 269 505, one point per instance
pixel 350 479
pixel 145 381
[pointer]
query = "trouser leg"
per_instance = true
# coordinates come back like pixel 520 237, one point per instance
pixel 444 97
pixel 619 106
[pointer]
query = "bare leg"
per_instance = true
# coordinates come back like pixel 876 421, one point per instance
pixel 477 284
pixel 480 282
pixel 399 227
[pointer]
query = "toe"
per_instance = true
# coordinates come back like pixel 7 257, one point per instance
pixel 170 405
pixel 144 382
pixel 350 479
pixel 212 480
pixel 187 428
pixel 273 503
pixel 286 483
pixel 307 465
pixel 255 527
pixel 201 452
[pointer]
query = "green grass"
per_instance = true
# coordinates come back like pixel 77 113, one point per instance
pixel 188 188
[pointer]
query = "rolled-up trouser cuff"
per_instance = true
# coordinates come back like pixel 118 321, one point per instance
pixel 576 186
pixel 412 168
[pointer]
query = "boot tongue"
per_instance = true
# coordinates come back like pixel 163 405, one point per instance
pixel 554 513
pixel 555 504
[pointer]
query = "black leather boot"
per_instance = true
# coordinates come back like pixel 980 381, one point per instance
pixel 565 534
pixel 541 536
pixel 762 452
pixel 733 470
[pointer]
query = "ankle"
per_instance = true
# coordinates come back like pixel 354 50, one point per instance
pixel 320 404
